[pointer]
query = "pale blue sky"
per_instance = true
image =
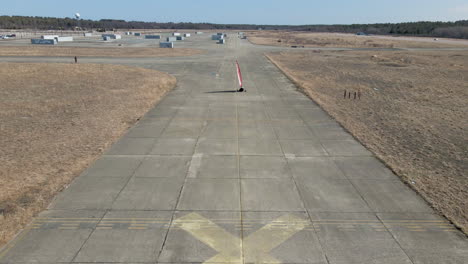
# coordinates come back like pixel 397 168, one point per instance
pixel 293 12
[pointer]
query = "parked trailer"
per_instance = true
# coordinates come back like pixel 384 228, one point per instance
pixel 49 36
pixel 199 33
pixel 217 37
pixel 180 38
pixel 187 35
pixel 88 34
pixel 175 34
pixel 221 41
pixel 137 34
pixel 152 36
pixel 166 45
pixel 171 39
pixel 43 41
pixel 111 36
pixel 64 39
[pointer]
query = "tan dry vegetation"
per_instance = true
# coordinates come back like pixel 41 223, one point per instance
pixel 55 119
pixel 335 40
pixel 125 52
pixel 412 113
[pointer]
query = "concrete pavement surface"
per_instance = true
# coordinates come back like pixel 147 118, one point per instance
pixel 214 176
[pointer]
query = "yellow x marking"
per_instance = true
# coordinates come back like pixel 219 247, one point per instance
pixel 256 247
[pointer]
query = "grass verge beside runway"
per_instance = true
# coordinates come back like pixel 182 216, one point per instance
pixel 123 52
pixel 55 119
pixel 411 114
pixel 340 40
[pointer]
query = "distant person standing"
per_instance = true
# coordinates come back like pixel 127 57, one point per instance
pixel 76 59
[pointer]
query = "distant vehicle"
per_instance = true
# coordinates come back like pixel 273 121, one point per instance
pixel 362 34
pixel 12 36
pixel 4 37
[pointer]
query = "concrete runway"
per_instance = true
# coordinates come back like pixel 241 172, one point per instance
pixel 213 176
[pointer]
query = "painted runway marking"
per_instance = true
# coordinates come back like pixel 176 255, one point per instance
pixel 256 246
pixel 345 225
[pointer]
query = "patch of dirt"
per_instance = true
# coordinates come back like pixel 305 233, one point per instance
pixel 55 120
pixel 338 40
pixel 412 113
pixel 123 52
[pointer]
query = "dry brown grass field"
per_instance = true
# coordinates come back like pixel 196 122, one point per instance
pixel 95 52
pixel 332 40
pixel 412 113
pixel 55 119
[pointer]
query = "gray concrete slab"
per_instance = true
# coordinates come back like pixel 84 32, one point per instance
pixel 256 129
pixel 90 193
pixel 267 147
pixel 132 146
pixel 276 113
pixel 192 112
pixel 147 130
pixel 183 128
pixel 390 196
pixel 43 244
pixel 426 237
pixel 315 167
pixel 164 111
pixel 357 238
pixel 276 195
pixel 314 116
pixel 325 127
pixel 303 148
pixel 316 194
pixel 248 113
pixel 214 167
pixel 220 129
pixel 174 167
pixel 171 146
pixel 293 132
pixel 364 168
pixel 345 148
pixel 263 167
pixel 210 194
pixel 328 133
pixel 218 111
pixel 126 244
pixel 149 194
pixel 209 146
pixel 113 166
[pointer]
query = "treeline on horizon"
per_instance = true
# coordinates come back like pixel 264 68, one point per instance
pixel 458 29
